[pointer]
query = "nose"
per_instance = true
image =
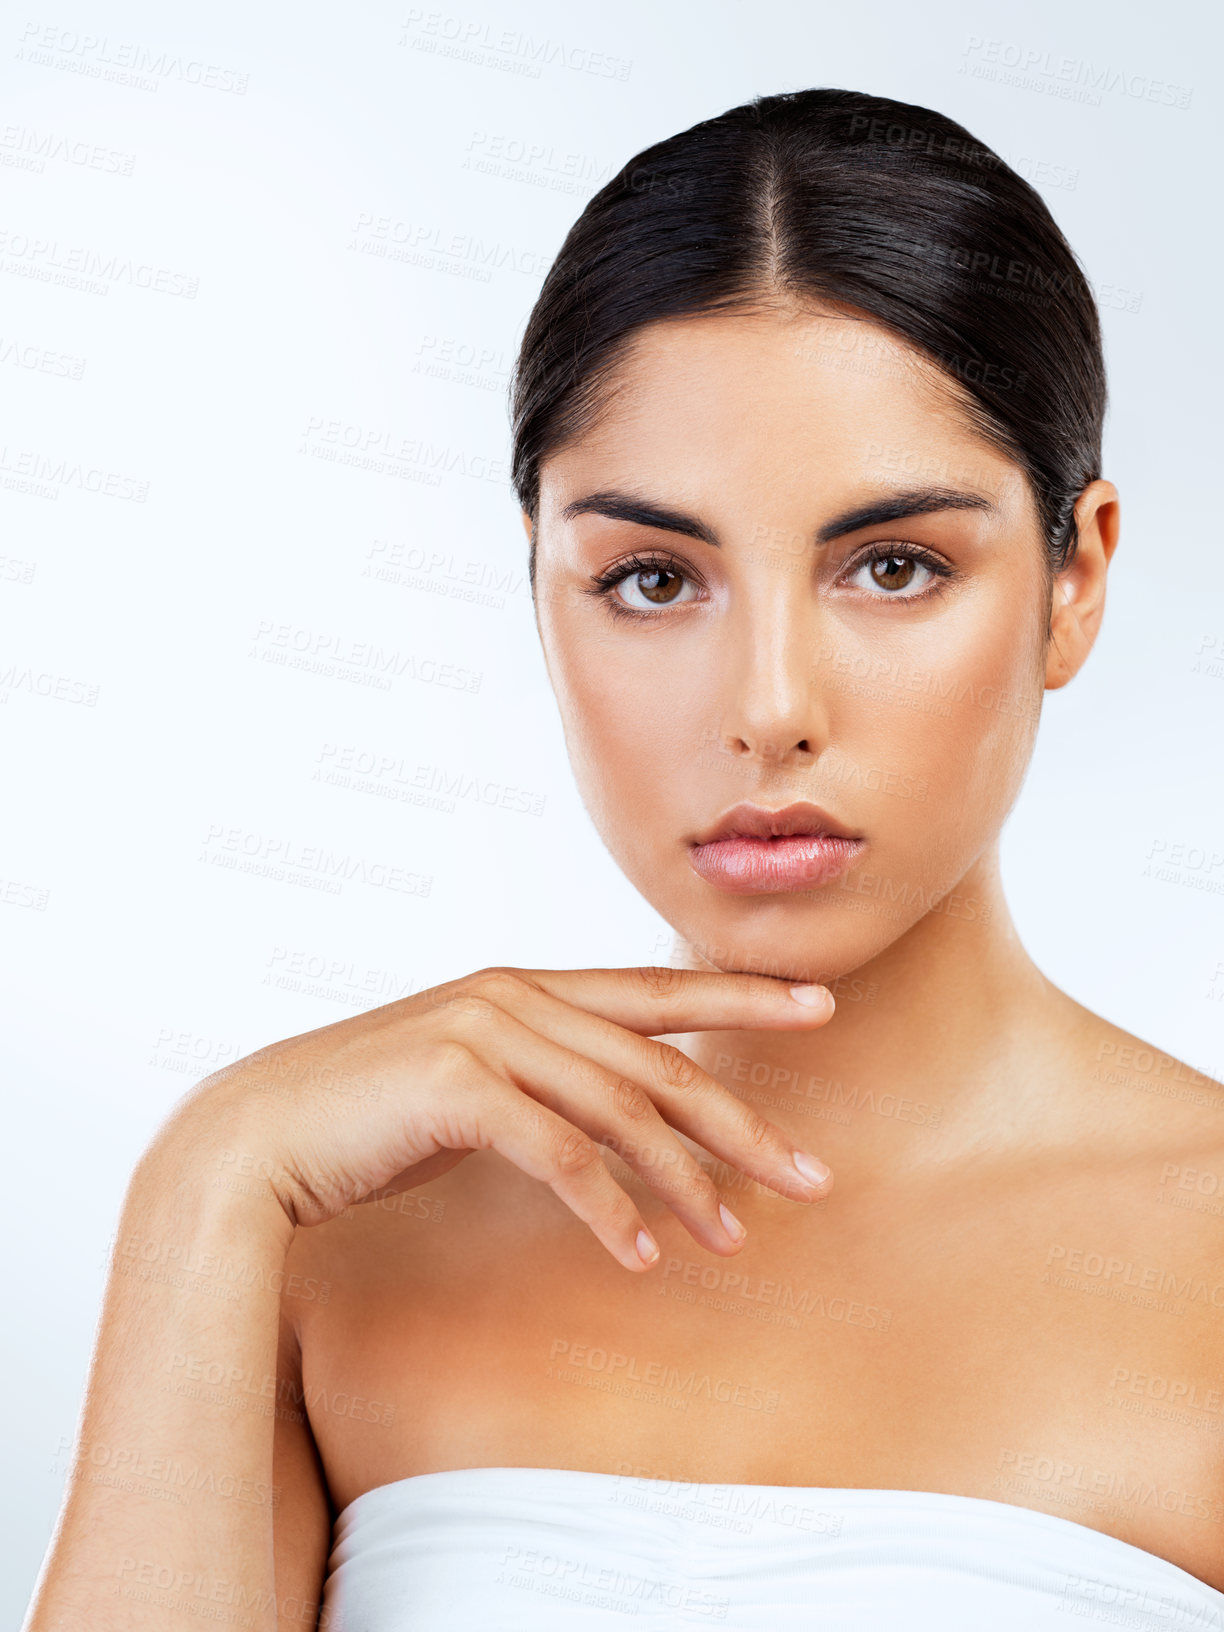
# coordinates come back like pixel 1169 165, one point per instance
pixel 771 705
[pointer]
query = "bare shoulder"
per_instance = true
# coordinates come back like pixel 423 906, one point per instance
pixel 1129 1061
pixel 1149 1085
pixel 1157 1121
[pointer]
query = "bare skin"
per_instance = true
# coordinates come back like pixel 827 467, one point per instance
pixel 184 1452
pixel 1015 1268
pixel 984 1129
pixel 923 1328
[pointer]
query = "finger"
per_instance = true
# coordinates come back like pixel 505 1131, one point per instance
pixel 684 1096
pixel 615 1110
pixel 655 1001
pixel 495 1115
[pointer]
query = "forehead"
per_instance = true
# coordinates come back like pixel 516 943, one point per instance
pixel 756 406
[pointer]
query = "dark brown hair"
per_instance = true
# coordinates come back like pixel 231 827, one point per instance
pixel 891 209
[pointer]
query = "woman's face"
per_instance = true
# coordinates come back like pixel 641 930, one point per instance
pixel 783 568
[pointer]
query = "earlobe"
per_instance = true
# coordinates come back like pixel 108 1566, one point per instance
pixel 1078 599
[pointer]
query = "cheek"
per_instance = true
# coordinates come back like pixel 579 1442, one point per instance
pixel 620 718
pixel 954 704
pixel 636 718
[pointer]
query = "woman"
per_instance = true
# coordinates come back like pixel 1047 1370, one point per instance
pixel 807 443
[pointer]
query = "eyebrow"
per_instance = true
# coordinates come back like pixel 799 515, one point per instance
pixel 627 507
pixel 894 506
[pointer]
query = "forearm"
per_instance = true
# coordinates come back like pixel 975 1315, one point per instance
pixel 168 1512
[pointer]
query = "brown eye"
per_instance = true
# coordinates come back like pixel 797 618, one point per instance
pixel 642 586
pixel 892 571
pixel 898 574
pixel 659 584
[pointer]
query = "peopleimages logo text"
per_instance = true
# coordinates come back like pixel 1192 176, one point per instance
pixel 1037 69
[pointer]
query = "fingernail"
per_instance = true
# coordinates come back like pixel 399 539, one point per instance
pixel 812 997
pixel 814 1171
pixel 647 1250
pixel 731 1224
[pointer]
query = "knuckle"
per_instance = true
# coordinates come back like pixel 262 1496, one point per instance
pixel 488 993
pixel 631 1101
pixel 455 1060
pixel 498 985
pixel 480 1011
pixel 659 981
pixel 677 1071
pixel 575 1154
pixel 758 1134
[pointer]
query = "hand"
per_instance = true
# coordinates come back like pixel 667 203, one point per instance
pixel 543 1066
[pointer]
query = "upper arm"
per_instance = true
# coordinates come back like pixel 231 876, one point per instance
pixel 302 1520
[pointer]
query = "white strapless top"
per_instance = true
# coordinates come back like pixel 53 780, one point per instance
pixel 561 1550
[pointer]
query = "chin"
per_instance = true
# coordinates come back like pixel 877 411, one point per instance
pixel 780 937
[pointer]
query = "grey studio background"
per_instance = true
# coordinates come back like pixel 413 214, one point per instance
pixel 277 733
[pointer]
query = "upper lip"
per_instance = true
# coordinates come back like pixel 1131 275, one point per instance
pixel 758 822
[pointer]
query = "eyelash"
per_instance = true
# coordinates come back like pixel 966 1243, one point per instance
pixel 604 583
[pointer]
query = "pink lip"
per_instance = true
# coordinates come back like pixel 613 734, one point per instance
pixel 768 866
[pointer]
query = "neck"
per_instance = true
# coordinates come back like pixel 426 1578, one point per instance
pixel 923 1037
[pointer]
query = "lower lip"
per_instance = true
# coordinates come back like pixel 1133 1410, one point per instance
pixel 802 861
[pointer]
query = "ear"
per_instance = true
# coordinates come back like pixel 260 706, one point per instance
pixel 527 525
pixel 1078 599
